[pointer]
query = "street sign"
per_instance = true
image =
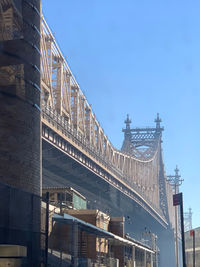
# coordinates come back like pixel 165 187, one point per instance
pixel 191 232
pixel 177 199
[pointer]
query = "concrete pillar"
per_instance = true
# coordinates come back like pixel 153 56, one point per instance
pixel 151 260
pixel 133 257
pixel 145 258
pixel 74 242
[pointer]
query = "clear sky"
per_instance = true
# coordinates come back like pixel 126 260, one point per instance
pixel 139 57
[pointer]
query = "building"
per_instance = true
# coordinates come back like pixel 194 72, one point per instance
pixel 84 237
pixel 65 197
pixel 189 247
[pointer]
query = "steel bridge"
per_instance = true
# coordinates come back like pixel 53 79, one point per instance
pixel 69 123
pixel 75 142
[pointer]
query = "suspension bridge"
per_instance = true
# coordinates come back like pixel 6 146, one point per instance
pixel 109 178
pixel 130 181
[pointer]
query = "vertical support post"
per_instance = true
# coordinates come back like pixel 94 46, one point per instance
pixel 182 230
pixel 145 258
pixel 156 257
pixel 60 204
pixel 74 244
pixel 176 229
pixel 176 181
pixel 151 260
pixel 32 229
pixel 193 248
pixel 133 256
pixel 60 233
pixel 47 229
pixel 192 233
pixel 178 200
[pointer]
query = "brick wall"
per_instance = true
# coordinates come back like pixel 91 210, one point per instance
pixel 99 219
pixel 116 226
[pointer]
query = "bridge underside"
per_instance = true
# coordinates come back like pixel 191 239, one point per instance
pixel 61 170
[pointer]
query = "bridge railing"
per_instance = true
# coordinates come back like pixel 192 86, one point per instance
pixel 67 129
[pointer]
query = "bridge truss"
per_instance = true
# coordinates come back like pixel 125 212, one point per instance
pixel 139 163
pixel 70 124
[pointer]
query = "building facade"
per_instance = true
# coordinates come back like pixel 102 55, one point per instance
pixel 190 237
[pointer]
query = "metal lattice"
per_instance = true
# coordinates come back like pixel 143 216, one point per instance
pixel 142 143
pixel 139 160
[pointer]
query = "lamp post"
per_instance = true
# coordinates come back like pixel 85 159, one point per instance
pixel 178 201
pixel 176 181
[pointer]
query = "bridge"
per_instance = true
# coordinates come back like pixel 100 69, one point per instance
pixel 70 126
pixel 130 182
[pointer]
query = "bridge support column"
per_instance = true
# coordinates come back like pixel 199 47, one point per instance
pixel 151 260
pixel 145 258
pixel 133 256
pixel 74 242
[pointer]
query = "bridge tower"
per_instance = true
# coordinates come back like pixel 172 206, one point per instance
pixel 141 142
pixel 144 145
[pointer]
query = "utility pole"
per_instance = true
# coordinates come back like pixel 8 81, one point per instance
pixel 176 181
pixel 192 233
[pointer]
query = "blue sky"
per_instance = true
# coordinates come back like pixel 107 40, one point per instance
pixel 139 57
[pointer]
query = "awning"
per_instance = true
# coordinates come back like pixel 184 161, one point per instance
pixel 92 229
